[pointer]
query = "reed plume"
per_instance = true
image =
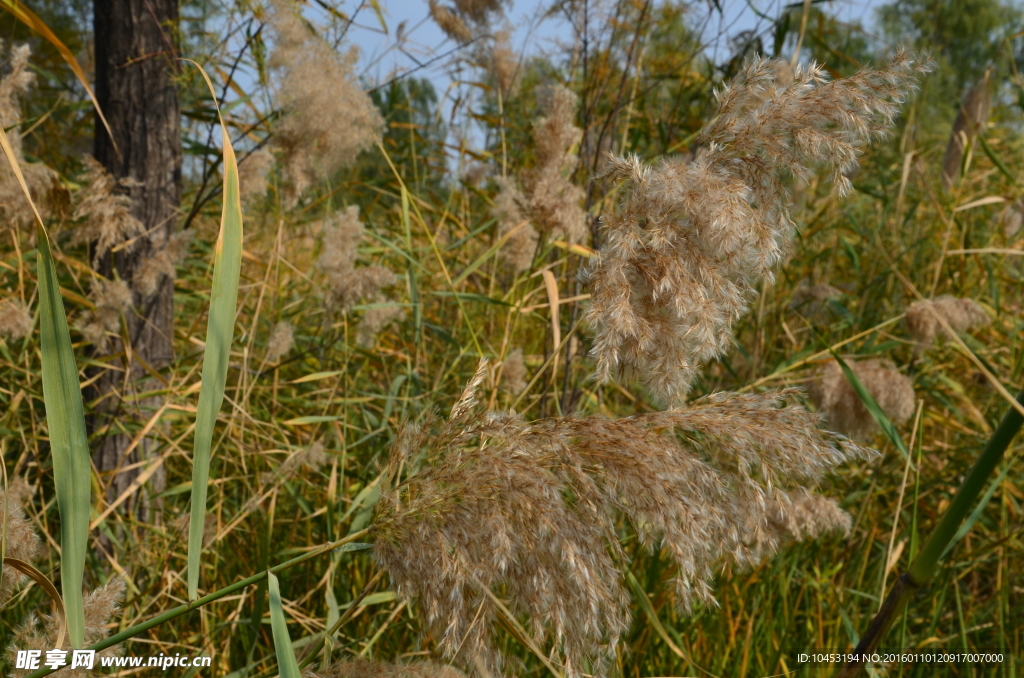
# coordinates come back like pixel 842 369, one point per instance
pixel 364 668
pixel 690 241
pixel 349 284
pixel 15 319
pixel 532 510
pixel 39 631
pixel 104 209
pixel 23 543
pixel 835 397
pixel 43 183
pixel 252 174
pixel 970 119
pixel 110 299
pixel 328 119
pixel 960 314
pixel 514 373
pixel 543 197
pixel 281 342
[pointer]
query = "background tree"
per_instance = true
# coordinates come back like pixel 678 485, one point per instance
pixel 135 51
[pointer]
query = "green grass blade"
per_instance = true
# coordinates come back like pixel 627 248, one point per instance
pixel 65 417
pixel 287 665
pixel 873 407
pixel 227 265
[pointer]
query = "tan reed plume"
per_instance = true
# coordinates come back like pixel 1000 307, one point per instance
pixel 959 314
pixel 349 284
pixel 493 503
pixel 328 118
pixel 43 183
pixel 835 397
pixel 15 319
pixel 364 668
pixel 544 196
pixel 104 210
pixel 690 241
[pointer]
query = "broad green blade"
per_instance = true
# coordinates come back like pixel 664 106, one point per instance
pixel 873 407
pixel 227 264
pixel 65 417
pixel 287 666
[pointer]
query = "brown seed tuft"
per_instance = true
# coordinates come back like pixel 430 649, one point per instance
pixel 281 342
pixel 690 240
pixel 110 299
pixel 488 506
pixel 513 373
pixel 835 397
pixel 163 263
pixel 15 319
pixel 104 210
pixel 252 174
pixel 364 668
pixel 959 314
pixel 23 543
pixel 39 632
pixel 43 183
pixel 328 119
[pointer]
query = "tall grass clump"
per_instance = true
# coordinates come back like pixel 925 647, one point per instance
pixel 496 505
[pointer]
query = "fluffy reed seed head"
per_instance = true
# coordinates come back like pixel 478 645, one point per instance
pixel 375 319
pixel 521 237
pixel 23 543
pixel 548 201
pixel 690 240
pixel 464 20
pixel 348 284
pixel 163 263
pixel 15 319
pixel 281 342
pixel 554 199
pixel 110 299
pixel 960 314
pixel 531 512
pixel 504 62
pixel 328 118
pixel 450 23
pixel 364 668
pixel 834 396
pixel 39 632
pixel 43 183
pixel 105 211
pixel 514 373
pixel 252 174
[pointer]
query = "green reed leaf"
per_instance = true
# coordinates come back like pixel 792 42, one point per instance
pixel 287 665
pixel 69 447
pixel 873 407
pixel 65 415
pixel 227 265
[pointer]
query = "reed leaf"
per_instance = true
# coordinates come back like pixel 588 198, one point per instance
pixel 877 413
pixel 287 665
pixel 65 416
pixel 227 265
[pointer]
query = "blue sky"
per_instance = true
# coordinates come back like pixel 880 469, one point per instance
pixel 380 57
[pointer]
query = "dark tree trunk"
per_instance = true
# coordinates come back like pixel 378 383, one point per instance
pixel 135 48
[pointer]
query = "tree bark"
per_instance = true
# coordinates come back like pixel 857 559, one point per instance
pixel 135 48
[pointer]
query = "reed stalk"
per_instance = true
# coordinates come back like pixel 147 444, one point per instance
pixel 924 565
